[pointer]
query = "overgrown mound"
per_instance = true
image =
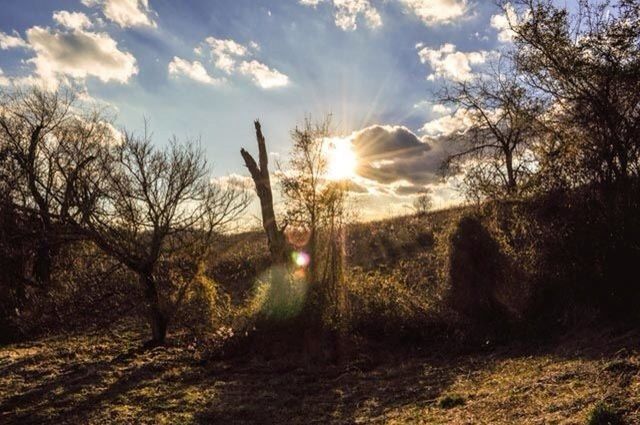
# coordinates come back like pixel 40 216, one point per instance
pixel 476 270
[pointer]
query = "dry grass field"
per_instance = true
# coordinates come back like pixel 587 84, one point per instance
pixel 105 378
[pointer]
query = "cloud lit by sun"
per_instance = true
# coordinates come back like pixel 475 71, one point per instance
pixel 341 159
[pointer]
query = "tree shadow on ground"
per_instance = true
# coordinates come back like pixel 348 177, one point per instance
pixel 289 394
pixel 116 385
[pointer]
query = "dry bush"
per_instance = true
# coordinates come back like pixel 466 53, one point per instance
pixel 87 289
pixel 205 308
pixel 15 253
pixel 370 245
pixel 237 263
pixel 386 304
pixel 486 263
pixel 473 270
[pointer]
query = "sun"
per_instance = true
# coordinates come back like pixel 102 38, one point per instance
pixel 341 159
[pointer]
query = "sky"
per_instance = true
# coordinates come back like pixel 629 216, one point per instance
pixel 207 68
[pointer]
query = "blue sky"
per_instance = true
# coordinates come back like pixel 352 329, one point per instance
pixel 365 61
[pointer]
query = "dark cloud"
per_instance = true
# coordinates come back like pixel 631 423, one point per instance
pixel 410 190
pixel 382 142
pixel 389 154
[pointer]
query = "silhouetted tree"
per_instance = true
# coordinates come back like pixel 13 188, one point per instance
pixel 316 208
pixel 587 64
pixel 279 250
pixel 303 185
pixel 48 140
pixel 156 211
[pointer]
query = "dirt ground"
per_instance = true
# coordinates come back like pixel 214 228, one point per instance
pixel 103 378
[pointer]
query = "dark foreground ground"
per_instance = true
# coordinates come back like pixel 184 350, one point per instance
pixel 102 378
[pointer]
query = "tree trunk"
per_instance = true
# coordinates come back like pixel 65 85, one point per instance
pixel 43 263
pixel 511 177
pixel 158 318
pixel 278 248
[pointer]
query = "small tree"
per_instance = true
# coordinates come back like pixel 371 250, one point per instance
pixel 303 186
pixel 157 211
pixel 423 203
pixel 495 150
pixel 316 208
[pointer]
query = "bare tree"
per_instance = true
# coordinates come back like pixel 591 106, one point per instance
pixel 303 185
pixel 48 140
pixel 495 151
pixel 316 208
pixel 156 211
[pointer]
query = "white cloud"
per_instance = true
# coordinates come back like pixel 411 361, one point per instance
pixel 234 181
pixel 72 20
pixel 4 81
pixel 446 62
pixel 263 76
pixel 193 70
pixel 502 23
pixel 440 109
pixel 458 122
pixel 78 55
pixel 8 41
pixel 435 108
pixel 347 12
pixel 437 11
pixel 125 13
pixel 225 53
pixel 232 58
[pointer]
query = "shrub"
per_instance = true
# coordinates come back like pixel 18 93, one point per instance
pixel 392 303
pixel 604 414
pixel 87 289
pixel 280 295
pixel 205 308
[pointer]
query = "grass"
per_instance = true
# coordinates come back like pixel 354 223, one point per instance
pixel 103 378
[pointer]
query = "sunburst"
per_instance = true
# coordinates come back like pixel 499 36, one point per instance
pixel 341 159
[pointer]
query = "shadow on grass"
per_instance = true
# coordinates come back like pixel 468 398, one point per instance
pixel 252 395
pixel 169 383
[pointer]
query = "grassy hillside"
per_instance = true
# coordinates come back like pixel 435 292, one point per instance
pixel 507 269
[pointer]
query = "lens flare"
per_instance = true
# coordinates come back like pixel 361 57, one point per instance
pixel 300 258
